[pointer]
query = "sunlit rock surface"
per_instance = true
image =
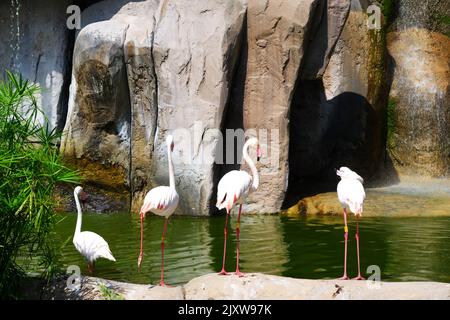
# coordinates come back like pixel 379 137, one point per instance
pixel 420 100
pixel 409 198
pixel 253 286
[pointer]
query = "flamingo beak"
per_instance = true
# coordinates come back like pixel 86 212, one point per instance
pixel 258 153
pixel 171 146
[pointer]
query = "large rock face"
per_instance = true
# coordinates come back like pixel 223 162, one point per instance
pixel 195 44
pixel 29 33
pixel 98 126
pixel 113 74
pixel 337 118
pixel 420 95
pixel 276 43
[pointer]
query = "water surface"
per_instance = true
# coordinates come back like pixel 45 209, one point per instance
pixel 405 249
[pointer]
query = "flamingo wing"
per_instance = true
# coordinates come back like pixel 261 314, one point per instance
pixel 351 192
pixel 161 201
pixel 92 246
pixel 232 188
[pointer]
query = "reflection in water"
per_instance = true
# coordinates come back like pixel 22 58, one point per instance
pixel 414 248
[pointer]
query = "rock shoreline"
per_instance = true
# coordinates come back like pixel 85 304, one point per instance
pixel 254 286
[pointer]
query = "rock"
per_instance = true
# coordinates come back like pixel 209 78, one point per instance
pixel 277 33
pixel 253 286
pixel 97 135
pixel 338 120
pixel 195 45
pixel 144 110
pixel 256 286
pixel 329 22
pixel 420 101
pixel 29 47
pixel 412 197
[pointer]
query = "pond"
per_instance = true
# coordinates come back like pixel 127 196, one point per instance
pixel 405 249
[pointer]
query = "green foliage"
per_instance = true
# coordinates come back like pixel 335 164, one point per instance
pixel 392 104
pixel 30 168
pixel 444 19
pixel 387 9
pixel 109 294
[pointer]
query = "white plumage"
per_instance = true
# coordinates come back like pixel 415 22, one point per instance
pixel 351 193
pixel 162 201
pixel 350 190
pixel 232 189
pixel 89 244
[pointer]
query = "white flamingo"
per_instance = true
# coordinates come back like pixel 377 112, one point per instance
pixel 89 244
pixel 351 193
pixel 162 201
pixel 233 188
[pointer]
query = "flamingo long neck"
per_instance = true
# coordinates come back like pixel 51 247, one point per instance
pixel 171 173
pixel 252 166
pixel 78 226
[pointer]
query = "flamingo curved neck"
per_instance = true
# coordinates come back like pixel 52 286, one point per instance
pixel 252 166
pixel 171 173
pixel 79 218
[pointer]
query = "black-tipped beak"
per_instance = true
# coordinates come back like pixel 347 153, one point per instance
pixel 172 146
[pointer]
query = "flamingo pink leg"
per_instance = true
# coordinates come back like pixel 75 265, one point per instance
pixel 141 252
pixel 161 283
pixel 225 232
pixel 238 273
pixel 345 276
pixel 359 277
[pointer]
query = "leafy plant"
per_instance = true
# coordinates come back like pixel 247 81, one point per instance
pixel 30 168
pixel 109 294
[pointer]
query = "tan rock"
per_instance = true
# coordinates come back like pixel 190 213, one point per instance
pixel 98 124
pixel 276 38
pixel 195 44
pixel 421 98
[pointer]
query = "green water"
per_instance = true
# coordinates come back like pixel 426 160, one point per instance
pixel 405 249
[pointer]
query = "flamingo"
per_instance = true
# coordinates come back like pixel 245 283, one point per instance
pixel 89 244
pixel 351 193
pixel 233 188
pixel 162 201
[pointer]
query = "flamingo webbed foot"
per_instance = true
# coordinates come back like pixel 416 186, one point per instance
pixel 360 277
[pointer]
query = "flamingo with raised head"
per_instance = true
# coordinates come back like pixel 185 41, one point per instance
pixel 89 244
pixel 162 201
pixel 234 188
pixel 351 194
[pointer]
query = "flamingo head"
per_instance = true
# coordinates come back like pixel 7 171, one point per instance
pixel 254 141
pixel 81 194
pixel 346 173
pixel 258 152
pixel 169 141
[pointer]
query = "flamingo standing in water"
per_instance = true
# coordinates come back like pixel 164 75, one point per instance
pixel 162 201
pixel 89 244
pixel 233 188
pixel 351 193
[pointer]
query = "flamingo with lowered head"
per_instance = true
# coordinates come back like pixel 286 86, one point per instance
pixel 162 201
pixel 233 188
pixel 89 244
pixel 351 193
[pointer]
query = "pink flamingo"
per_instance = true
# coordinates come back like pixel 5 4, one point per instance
pixel 162 201
pixel 351 193
pixel 233 188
